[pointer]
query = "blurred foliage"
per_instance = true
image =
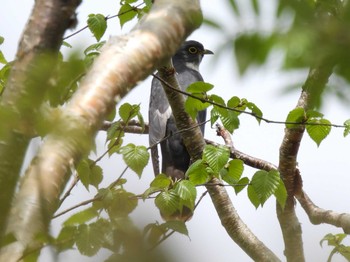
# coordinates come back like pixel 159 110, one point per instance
pixel 309 33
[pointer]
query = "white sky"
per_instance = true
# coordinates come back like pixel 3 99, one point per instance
pixel 325 170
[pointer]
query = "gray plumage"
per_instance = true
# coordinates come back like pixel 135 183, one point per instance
pixel 175 158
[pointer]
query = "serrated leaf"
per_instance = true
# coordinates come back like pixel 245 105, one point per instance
pixel 127 111
pixel 168 202
pixel 219 100
pixel 126 13
pixel 81 217
pixel 281 194
pixel 199 87
pixel 193 106
pixel 253 196
pixel 319 129
pixel 230 121
pixel 84 172
pixel 66 238
pixel 186 190
pixel 234 173
pixel 97 25
pixel 233 102
pixel 197 173
pixel 136 157
pixel 96 176
pixel 178 226
pixel 122 204
pixel 216 157
pixel 241 184
pixel 256 111
pixel 313 114
pixel 94 48
pixel 214 115
pixel 88 239
pixel 297 115
pixel 347 127
pixel 265 184
pixel 161 181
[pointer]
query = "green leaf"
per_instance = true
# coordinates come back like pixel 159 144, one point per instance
pixel 161 181
pixel 126 13
pixel 241 184
pixel 84 172
pixel 122 204
pixel 216 157
pixel 155 232
pixel 94 48
pixel 136 157
pixel 230 121
pixel 318 132
pixel 235 170
pixel 2 40
pixel 2 58
pixel 178 226
pixel 214 115
pixel 219 100
pixel 281 194
pixel 197 173
pixel 256 111
pixel 347 127
pixel 81 217
pixel 255 5
pixel 127 111
pixel 313 114
pixel 96 176
pixel 88 239
pixel 66 238
pixel 186 190
pixel 97 25
pixel 265 184
pixel 253 196
pixel 199 87
pixel 233 102
pixel 297 115
pixel 193 106
pixel 168 202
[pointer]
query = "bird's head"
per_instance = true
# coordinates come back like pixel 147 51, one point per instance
pixel 190 55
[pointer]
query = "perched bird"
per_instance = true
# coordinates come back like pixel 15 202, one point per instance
pixel 175 158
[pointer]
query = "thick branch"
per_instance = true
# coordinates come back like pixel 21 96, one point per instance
pixel 319 215
pixel 123 62
pixel 289 223
pixel 23 93
pixel 195 143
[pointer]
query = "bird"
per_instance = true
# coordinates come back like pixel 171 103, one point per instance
pixel 162 126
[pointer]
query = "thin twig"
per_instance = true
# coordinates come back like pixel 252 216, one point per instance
pixel 106 18
pixel 205 100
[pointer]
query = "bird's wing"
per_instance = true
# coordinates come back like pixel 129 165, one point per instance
pixel 158 114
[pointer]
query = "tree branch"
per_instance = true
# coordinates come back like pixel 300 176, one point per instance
pixel 291 229
pixel 319 215
pixel 195 143
pixel 123 62
pixel 26 88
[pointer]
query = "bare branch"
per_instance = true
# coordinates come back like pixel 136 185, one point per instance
pixel 289 222
pixel 319 215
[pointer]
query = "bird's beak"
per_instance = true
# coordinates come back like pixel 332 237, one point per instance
pixel 207 52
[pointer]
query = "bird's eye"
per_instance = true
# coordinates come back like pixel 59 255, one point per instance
pixel 192 50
